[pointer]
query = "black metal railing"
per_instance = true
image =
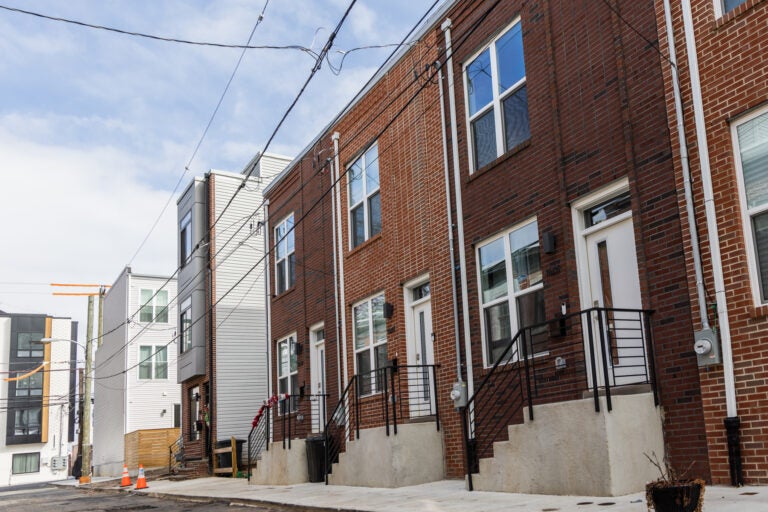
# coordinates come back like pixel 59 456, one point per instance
pixel 258 439
pixel 176 455
pixel 585 353
pixel 386 396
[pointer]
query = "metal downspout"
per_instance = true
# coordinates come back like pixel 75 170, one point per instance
pixel 339 255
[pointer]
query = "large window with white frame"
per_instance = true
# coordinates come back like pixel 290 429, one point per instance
pixel 185 324
pixel 751 142
pixel 511 289
pixel 287 373
pixel 497 98
pixel 370 338
pixel 285 255
pixel 154 306
pixel 153 362
pixel 364 197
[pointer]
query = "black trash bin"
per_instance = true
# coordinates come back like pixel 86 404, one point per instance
pixel 224 460
pixel 316 457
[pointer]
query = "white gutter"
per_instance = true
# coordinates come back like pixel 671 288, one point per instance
pixel 268 309
pixel 685 163
pixel 446 28
pixel 456 330
pixel 709 207
pixel 336 175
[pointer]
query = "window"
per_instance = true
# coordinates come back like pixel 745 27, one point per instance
pixel 25 463
pixel 370 332
pixel 751 143
pixel 31 386
pixel 153 362
pixel 176 415
pixel 507 307
pixel 285 257
pixel 364 201
pixel 154 306
pixel 27 422
pixel 28 344
pixel 497 98
pixel 287 372
pixel 729 5
pixel 185 323
pixel 185 239
pixel 195 420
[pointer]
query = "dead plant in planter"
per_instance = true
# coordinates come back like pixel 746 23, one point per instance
pixel 672 492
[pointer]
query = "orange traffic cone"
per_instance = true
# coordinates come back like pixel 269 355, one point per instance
pixel 141 482
pixel 126 481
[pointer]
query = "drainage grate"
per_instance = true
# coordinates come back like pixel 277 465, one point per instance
pixel 585 503
pixel 606 504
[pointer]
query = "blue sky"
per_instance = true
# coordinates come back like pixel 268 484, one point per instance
pixel 96 127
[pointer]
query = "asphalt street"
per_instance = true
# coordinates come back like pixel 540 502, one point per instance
pixel 46 497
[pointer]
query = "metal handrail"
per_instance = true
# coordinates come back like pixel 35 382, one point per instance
pixel 258 440
pixel 174 449
pixel 610 347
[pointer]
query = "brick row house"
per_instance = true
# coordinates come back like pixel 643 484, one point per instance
pixel 492 227
pixel 722 116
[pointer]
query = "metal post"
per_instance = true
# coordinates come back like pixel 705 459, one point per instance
pixel 394 398
pixel 86 426
pixel 602 315
pixel 102 292
pixel 266 446
pixel 433 392
pixel 592 359
pixel 357 407
pixel 523 340
pixel 465 429
pixel 386 397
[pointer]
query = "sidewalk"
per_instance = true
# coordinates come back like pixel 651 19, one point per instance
pixel 444 496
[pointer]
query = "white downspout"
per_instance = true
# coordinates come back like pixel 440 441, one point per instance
pixel 709 207
pixel 685 163
pixel 446 28
pixel 268 308
pixel 339 254
pixel 456 330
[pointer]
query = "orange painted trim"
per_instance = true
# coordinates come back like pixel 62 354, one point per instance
pixel 46 382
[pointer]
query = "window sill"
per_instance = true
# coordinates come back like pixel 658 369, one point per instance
pixel 735 13
pixel 283 294
pixel 503 158
pixel 375 238
pixel 758 312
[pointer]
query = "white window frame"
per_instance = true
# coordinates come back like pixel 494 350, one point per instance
pixel 748 213
pixel 153 305
pixel 720 8
pixel 185 335
pixel 185 239
pixel 511 296
pixel 373 344
pixel 367 195
pixel 496 103
pixel 288 275
pixel 292 345
pixel 152 362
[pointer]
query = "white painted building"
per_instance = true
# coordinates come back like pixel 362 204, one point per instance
pixel 135 387
pixel 37 413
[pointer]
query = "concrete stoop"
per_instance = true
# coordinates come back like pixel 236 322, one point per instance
pixel 282 466
pixel 413 456
pixel 569 449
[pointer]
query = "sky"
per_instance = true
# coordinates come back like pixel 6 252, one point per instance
pixel 97 128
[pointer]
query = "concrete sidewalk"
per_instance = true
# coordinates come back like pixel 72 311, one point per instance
pixel 444 496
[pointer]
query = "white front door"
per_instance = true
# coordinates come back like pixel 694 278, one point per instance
pixel 421 353
pixel 614 284
pixel 317 374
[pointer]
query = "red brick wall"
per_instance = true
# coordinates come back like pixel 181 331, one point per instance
pixel 597 114
pixel 733 68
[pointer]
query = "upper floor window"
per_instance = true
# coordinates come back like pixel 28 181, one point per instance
pixel 185 239
pixel 511 288
pixel 370 333
pixel 25 463
pixel 287 373
pixel 497 98
pixel 28 344
pixel 751 141
pixel 285 256
pixel 185 323
pixel 27 421
pixel 154 306
pixel 364 198
pixel 31 386
pixel 727 6
pixel 153 362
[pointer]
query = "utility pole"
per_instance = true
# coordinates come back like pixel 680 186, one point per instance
pixel 86 426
